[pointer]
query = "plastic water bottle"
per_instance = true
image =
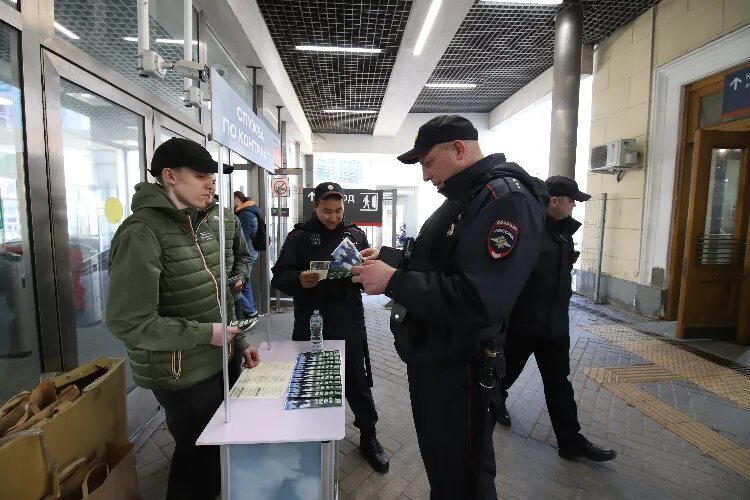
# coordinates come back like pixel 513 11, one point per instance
pixel 316 331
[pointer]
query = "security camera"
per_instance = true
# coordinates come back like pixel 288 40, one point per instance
pixel 190 69
pixel 151 64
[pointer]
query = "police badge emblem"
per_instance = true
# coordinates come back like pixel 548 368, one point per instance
pixel 501 239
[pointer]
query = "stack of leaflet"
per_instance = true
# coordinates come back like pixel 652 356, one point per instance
pixel 316 381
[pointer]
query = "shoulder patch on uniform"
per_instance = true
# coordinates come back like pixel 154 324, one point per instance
pixel 502 238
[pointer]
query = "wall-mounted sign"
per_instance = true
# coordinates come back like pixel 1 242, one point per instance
pixel 736 98
pixel 234 125
pixel 361 206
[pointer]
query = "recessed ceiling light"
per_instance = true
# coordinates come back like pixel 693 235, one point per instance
pixel 317 48
pixel 351 111
pixel 172 41
pixel 159 40
pixel 429 20
pixel 526 2
pixel 451 85
pixel 65 31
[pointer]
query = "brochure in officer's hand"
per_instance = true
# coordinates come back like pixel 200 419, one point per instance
pixel 344 258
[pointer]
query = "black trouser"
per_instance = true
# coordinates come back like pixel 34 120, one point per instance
pixel 553 359
pixel 453 431
pixel 357 387
pixel 195 472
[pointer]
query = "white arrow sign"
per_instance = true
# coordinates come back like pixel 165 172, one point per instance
pixel 735 83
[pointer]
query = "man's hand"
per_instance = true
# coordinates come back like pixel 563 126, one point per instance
pixel 309 279
pixel 237 287
pixel 370 253
pixel 252 357
pixel 374 276
pixel 216 334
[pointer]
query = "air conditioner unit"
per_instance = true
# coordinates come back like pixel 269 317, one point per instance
pixel 613 156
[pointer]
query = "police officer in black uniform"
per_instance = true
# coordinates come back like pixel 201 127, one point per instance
pixel 539 326
pixel 452 289
pixel 339 302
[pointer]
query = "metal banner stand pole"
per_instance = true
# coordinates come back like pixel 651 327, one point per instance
pixel 600 250
pixel 223 280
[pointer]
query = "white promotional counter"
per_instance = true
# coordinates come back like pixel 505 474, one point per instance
pixel 268 452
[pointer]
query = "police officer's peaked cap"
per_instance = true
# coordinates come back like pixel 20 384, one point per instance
pixel 178 152
pixel 559 185
pixel 325 190
pixel 443 128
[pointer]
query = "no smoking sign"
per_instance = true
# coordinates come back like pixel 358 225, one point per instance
pixel 280 186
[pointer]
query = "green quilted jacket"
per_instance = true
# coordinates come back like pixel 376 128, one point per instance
pixel 164 288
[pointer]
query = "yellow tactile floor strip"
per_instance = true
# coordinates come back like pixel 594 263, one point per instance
pixel 644 373
pixel 708 441
pixel 682 364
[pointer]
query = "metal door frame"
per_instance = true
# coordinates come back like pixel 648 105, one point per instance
pixel 143 409
pixel 55 68
pixel 162 121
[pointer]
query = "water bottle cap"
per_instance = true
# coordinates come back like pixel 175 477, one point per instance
pixel 316 311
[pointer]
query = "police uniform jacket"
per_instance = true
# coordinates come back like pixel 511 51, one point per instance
pixel 339 300
pixel 542 308
pixel 470 260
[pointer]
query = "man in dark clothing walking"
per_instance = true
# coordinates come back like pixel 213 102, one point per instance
pixel 452 289
pixel 339 302
pixel 539 326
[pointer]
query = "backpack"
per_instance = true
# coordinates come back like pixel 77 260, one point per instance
pixel 260 240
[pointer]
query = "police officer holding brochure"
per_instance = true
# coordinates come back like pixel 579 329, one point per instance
pixel 453 289
pixel 305 271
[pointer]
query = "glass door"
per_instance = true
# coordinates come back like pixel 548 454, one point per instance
pixel 98 140
pixel 20 364
pixel 103 157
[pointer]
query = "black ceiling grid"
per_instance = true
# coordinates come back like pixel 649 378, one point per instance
pixel 325 80
pixel 502 47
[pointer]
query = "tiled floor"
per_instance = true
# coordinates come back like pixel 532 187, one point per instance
pixel 652 463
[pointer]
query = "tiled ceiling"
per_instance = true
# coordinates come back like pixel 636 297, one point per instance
pixel 335 80
pixel 502 47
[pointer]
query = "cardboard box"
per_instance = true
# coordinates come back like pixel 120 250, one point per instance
pixel 83 429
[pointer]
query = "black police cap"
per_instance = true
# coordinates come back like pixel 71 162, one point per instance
pixel 325 190
pixel 178 152
pixel 443 128
pixel 559 185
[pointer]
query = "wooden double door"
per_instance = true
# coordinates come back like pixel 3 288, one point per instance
pixel 714 296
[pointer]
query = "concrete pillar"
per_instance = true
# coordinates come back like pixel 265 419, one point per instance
pixel 566 77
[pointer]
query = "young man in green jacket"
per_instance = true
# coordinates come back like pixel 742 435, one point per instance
pixel 163 302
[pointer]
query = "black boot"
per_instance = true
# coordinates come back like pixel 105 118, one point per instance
pixel 500 412
pixel 584 448
pixel 373 451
